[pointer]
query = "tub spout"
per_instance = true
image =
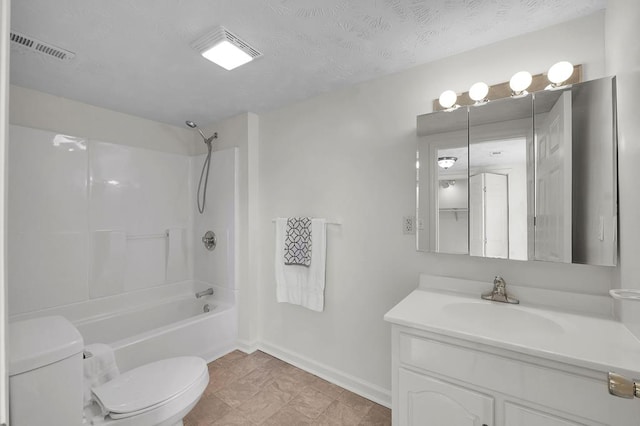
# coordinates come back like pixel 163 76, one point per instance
pixel 207 292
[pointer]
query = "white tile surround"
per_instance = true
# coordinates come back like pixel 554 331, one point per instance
pixel 89 219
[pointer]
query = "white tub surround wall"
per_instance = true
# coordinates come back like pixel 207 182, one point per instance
pixel 89 219
pixel 349 154
pixel 623 59
pixel 241 131
pixel 216 268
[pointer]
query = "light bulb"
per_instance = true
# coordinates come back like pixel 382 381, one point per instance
pixel 446 162
pixel 520 82
pixel 560 72
pixel 478 92
pixel 448 99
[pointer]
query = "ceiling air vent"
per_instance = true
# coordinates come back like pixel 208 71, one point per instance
pixel 33 44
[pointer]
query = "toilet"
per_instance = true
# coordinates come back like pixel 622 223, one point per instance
pixel 46 382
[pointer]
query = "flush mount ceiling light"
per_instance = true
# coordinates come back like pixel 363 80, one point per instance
pixel 520 82
pixel 448 99
pixel 478 92
pixel 446 162
pixel 559 73
pixel 225 49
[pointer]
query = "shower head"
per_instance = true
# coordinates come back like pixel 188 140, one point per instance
pixel 206 139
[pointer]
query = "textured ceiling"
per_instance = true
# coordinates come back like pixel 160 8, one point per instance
pixel 134 56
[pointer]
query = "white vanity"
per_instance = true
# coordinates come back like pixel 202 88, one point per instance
pixel 459 360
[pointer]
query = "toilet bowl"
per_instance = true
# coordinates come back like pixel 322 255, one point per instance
pixel 45 371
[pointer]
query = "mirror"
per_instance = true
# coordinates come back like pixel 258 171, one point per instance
pixel 534 177
pixel 576 174
pixel 442 189
pixel 501 179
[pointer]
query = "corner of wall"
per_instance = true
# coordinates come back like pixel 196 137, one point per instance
pixel 623 59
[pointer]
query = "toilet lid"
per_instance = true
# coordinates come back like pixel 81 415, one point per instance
pixel 150 385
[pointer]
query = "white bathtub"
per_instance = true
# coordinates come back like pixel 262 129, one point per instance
pixel 154 324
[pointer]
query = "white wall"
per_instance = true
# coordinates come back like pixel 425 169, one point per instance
pixel 5 17
pixel 623 59
pixel 31 108
pixel 349 154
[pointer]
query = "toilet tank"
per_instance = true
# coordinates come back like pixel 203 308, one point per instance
pixel 45 372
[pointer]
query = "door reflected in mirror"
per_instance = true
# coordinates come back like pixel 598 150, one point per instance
pixel 500 150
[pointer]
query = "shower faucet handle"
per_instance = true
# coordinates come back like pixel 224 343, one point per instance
pixel 209 240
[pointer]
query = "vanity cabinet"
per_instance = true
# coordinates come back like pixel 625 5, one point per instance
pixel 422 397
pixel 439 380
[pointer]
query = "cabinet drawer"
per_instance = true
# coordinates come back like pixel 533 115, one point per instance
pixel 580 396
pixel 425 401
pixel 516 415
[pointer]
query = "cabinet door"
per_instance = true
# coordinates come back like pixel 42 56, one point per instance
pixel 425 401
pixel 516 415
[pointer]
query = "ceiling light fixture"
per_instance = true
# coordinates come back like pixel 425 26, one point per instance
pixel 478 92
pixel 559 73
pixel 519 83
pixel 448 99
pixel 225 49
pixel 446 162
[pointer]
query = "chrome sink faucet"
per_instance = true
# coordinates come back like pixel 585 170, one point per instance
pixel 499 292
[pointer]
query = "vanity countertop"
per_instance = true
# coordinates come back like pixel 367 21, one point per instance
pixel 590 342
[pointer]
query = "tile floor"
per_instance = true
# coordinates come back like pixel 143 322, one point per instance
pixel 258 389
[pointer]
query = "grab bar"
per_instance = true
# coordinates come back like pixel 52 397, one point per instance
pixel 207 292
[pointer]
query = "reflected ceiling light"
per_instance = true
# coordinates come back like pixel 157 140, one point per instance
pixel 559 73
pixel 446 162
pixel 478 92
pixel 448 99
pixel 520 82
pixel 224 48
pixel 444 184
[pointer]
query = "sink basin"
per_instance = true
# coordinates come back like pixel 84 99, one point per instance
pixel 501 318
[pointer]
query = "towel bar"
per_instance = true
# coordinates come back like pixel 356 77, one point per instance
pixel 328 221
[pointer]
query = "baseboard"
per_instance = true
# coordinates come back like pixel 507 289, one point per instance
pixel 247 346
pixel 361 387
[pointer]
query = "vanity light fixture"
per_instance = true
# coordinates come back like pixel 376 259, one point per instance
pixel 478 92
pixel 448 99
pixel 225 49
pixel 519 83
pixel 559 73
pixel 446 162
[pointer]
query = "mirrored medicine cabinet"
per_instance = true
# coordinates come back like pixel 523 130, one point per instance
pixel 527 178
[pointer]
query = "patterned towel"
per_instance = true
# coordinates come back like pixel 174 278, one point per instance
pixel 297 244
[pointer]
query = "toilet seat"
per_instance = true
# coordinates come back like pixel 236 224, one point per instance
pixel 153 391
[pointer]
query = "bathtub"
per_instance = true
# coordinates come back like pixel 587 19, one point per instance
pixel 149 325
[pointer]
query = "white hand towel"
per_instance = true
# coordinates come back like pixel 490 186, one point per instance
pixel 99 368
pixel 107 263
pixel 302 285
pixel 176 256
